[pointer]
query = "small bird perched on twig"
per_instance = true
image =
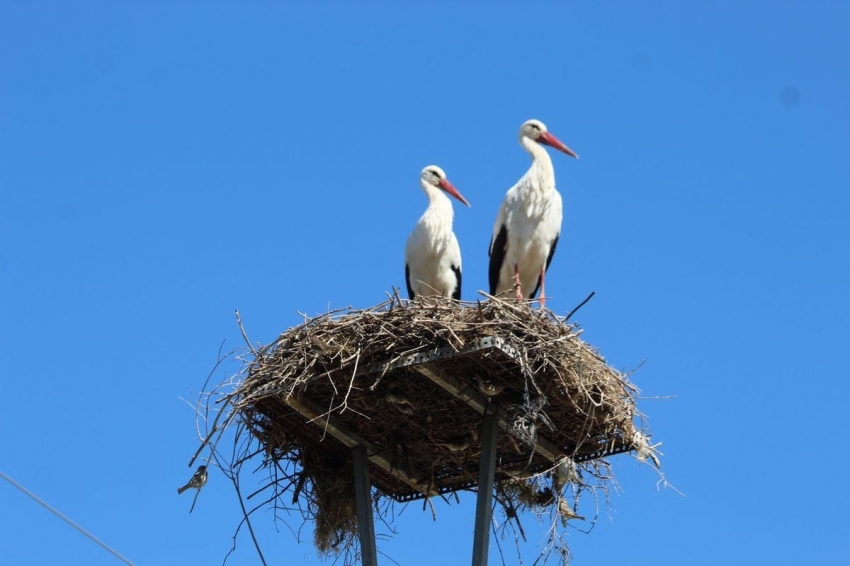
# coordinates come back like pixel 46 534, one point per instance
pixel 198 480
pixel 566 512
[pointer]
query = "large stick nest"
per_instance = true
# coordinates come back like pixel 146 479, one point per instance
pixel 409 380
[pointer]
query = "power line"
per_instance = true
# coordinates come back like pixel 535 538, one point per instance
pixel 64 518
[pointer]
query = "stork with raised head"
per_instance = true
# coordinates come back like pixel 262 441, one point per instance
pixel 529 221
pixel 432 263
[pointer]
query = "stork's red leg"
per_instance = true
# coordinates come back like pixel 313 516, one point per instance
pixel 516 283
pixel 542 288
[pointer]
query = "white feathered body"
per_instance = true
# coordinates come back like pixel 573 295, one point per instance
pixel 531 213
pixel 432 253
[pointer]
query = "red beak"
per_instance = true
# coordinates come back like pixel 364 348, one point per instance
pixel 449 188
pixel 552 141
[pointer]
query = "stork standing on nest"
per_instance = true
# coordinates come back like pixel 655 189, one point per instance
pixel 529 221
pixel 432 263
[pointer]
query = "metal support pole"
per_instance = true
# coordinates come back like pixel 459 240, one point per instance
pixel 363 498
pixel 486 475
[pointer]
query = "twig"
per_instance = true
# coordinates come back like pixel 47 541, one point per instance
pixel 246 519
pixel 244 335
pixel 572 312
pixel 351 382
pixel 197 493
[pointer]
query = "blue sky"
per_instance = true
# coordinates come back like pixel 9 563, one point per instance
pixel 162 164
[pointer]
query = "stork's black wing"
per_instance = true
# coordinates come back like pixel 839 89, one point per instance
pixel 552 251
pixel 497 257
pixel 548 262
pixel 410 293
pixel 456 293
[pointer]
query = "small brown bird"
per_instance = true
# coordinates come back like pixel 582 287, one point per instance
pixel 566 512
pixel 198 480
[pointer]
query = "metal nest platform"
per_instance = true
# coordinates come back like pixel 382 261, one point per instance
pixel 436 403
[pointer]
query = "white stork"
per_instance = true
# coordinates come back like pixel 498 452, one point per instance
pixel 529 221
pixel 432 254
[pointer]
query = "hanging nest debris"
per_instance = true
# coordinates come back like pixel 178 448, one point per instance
pixel 409 381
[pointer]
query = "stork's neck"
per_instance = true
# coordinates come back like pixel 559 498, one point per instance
pixel 439 206
pixel 540 176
